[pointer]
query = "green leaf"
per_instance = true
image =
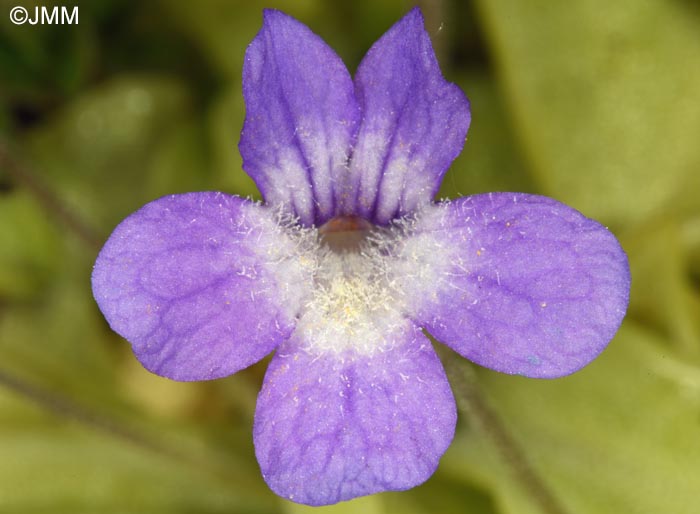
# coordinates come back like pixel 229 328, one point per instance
pixel 618 436
pixel 367 505
pixel 59 340
pixel 490 160
pixel 224 124
pixel 28 247
pixel 97 152
pixel 606 98
pixel 444 494
pixel 61 468
pixel 663 297
pixel 209 23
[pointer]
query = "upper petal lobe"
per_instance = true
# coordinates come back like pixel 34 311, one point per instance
pixel 329 428
pixel 413 123
pixel 524 284
pixel 301 117
pixel 194 282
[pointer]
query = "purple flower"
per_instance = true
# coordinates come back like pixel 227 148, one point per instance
pixel 348 260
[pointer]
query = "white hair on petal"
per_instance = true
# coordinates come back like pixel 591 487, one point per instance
pixel 357 301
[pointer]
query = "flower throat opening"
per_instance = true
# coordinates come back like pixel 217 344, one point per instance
pixel 345 234
pixel 354 309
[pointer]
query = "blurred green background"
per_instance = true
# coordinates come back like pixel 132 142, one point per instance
pixel 595 103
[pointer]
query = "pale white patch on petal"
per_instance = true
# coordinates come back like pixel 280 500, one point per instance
pixel 291 184
pixel 424 257
pixel 359 301
pixel 368 164
pixel 289 254
pixel 354 307
pixel 399 170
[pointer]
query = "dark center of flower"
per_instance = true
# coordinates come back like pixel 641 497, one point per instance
pixel 345 233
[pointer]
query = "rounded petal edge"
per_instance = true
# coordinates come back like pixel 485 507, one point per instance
pixel 201 284
pixel 524 284
pixel 414 123
pixel 330 428
pixel 301 119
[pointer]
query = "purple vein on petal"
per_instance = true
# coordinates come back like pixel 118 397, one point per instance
pixel 201 284
pixel 301 118
pixel 414 123
pixel 523 284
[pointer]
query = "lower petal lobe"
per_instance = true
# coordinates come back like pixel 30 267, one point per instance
pixel 193 282
pixel 330 428
pixel 526 284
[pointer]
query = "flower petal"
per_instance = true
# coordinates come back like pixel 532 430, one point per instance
pixel 414 123
pixel 329 428
pixel 301 117
pixel 524 284
pixel 201 284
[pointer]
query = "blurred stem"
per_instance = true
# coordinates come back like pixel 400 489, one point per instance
pixel 51 203
pixel 65 408
pixel 471 399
